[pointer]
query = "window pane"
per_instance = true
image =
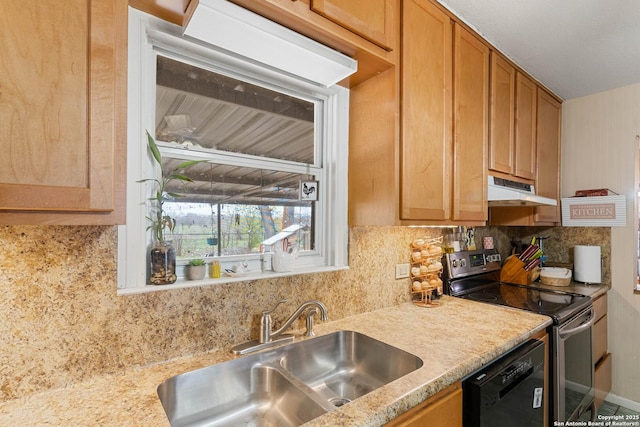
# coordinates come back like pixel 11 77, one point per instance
pixel 198 106
pixel 231 210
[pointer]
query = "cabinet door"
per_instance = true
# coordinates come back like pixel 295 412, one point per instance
pixel 599 349
pixel 372 19
pixel 548 154
pixel 525 160
pixel 62 80
pixel 501 134
pixel 602 380
pixel 426 82
pixel 471 122
pixel 442 410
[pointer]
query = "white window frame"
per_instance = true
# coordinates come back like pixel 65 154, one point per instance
pixel 149 36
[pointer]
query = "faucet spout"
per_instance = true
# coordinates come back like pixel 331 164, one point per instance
pixel 268 338
pixel 299 311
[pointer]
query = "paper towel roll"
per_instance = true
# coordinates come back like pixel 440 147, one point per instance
pixel 587 264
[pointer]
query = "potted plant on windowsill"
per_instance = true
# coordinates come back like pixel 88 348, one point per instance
pixel 196 269
pixel 163 253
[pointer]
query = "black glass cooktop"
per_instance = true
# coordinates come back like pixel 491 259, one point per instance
pixel 475 275
pixel 559 305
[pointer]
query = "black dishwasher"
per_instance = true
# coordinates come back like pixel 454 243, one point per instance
pixel 508 392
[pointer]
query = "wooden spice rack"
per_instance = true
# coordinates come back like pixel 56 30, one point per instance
pixel 513 272
pixel 425 271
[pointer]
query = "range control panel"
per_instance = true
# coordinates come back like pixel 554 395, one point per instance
pixel 468 263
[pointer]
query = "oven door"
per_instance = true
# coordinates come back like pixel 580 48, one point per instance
pixel 573 373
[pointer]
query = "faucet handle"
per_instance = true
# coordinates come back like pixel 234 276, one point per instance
pixel 266 312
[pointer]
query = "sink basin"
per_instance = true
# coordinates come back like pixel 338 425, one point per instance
pixel 345 365
pixel 237 393
pixel 285 386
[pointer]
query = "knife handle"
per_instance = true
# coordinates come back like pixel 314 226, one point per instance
pixel 532 264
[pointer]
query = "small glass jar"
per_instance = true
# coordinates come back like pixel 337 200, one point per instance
pixel 163 263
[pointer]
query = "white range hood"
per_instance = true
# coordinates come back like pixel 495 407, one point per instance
pixel 504 192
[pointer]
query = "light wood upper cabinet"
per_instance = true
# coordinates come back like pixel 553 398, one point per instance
pixel 433 171
pixel 437 172
pixel 444 118
pixel 547 169
pixel 372 19
pixel 426 146
pixel 470 128
pixel 503 93
pixel 548 155
pixel 62 109
pixel 534 154
pixel 525 138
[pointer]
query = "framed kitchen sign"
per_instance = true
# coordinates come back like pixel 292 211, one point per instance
pixel 600 211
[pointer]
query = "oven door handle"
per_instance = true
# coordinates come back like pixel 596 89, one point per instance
pixel 569 332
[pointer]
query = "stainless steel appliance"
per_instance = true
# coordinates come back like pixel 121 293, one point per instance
pixel 475 275
pixel 510 389
pixel 573 367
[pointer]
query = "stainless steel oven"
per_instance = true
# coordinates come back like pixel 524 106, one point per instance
pixel 573 366
pixel 475 275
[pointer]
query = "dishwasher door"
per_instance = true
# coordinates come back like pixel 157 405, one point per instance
pixel 508 392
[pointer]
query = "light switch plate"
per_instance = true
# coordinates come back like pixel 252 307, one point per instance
pixel 402 271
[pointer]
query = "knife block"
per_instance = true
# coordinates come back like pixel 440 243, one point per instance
pixel 513 272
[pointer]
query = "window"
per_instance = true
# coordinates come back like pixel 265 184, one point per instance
pixel 271 152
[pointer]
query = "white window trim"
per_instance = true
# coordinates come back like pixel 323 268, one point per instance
pixel 148 36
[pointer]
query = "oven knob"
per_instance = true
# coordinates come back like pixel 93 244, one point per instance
pixel 463 263
pixel 454 263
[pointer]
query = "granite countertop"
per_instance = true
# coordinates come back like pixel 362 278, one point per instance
pixel 454 340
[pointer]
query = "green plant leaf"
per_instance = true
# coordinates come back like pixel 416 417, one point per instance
pixel 180 177
pixel 148 179
pixel 189 163
pixel 159 221
pixel 154 149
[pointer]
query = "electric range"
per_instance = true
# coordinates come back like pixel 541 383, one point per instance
pixel 475 275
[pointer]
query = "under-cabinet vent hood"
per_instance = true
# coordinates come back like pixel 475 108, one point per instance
pixel 504 192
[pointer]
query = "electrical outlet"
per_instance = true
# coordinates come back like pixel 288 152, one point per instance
pixel 402 271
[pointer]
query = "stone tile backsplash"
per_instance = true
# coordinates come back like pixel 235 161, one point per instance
pixel 62 321
pixel 559 244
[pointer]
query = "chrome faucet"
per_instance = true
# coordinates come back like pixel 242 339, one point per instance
pixel 265 323
pixel 268 338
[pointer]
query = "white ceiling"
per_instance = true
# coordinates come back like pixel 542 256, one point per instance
pixel 574 47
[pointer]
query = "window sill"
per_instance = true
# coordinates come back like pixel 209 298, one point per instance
pixel 183 284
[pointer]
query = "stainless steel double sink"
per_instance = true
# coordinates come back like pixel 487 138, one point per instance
pixel 285 386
